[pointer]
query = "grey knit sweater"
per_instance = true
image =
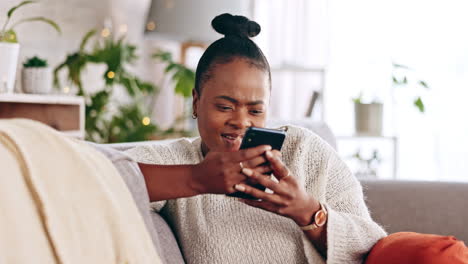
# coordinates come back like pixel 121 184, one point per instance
pixel 219 229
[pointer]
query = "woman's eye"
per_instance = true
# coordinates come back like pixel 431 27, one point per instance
pixel 224 107
pixel 257 112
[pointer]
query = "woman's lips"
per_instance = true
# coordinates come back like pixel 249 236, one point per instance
pixel 232 141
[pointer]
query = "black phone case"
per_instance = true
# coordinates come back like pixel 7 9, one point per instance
pixel 255 136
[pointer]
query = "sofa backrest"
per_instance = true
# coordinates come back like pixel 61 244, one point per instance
pixel 425 207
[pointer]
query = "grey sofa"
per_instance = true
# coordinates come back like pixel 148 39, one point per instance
pixel 425 207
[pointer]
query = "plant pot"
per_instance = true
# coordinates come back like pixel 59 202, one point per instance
pixel 368 119
pixel 37 80
pixel 9 53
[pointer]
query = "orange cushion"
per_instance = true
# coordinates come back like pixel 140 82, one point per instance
pixel 416 248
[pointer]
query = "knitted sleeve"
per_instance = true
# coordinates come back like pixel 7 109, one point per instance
pixel 351 233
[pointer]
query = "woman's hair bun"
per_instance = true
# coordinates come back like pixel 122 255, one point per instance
pixel 229 25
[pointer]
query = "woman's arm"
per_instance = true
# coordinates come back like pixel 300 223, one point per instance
pixel 217 173
pixel 166 182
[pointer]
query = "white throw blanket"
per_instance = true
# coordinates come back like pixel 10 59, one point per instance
pixel 63 202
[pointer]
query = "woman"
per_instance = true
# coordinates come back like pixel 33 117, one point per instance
pixel 316 210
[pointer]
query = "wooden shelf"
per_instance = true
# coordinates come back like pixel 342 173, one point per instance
pixel 62 112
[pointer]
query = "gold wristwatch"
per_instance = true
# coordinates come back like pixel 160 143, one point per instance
pixel 320 218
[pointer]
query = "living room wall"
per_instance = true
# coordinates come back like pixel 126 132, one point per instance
pixel 75 18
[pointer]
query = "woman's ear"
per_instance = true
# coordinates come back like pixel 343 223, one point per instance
pixel 195 101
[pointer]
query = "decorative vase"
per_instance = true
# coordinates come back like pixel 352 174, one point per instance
pixel 368 119
pixel 9 53
pixel 37 80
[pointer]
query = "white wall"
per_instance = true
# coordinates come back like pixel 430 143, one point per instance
pixel 76 17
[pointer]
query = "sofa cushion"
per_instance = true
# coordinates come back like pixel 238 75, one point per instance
pixel 160 232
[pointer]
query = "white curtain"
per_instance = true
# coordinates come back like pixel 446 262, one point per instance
pixel 294 35
pixel 357 41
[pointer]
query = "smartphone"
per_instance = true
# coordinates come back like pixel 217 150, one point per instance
pixel 256 136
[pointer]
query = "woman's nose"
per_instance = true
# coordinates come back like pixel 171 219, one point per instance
pixel 240 120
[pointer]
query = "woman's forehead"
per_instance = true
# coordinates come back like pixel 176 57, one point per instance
pixel 239 79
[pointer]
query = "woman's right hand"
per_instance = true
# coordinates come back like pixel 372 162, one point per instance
pixel 220 171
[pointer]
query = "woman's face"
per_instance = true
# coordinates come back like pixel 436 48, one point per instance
pixel 234 98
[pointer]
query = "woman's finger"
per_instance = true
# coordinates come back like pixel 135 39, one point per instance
pixel 279 169
pixel 264 169
pixel 250 153
pixel 262 205
pixel 266 181
pixel 259 194
pixel 252 163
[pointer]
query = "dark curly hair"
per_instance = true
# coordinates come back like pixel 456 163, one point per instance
pixel 236 43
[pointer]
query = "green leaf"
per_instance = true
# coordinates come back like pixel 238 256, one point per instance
pixel 35 62
pixel 88 35
pixel 10 37
pixel 424 84
pixel 41 19
pixel 10 12
pixel 419 104
pixel 163 56
pixel 396 65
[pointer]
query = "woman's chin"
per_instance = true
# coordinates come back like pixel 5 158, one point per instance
pixel 231 145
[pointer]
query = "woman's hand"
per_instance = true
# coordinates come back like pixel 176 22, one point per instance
pixel 288 198
pixel 220 171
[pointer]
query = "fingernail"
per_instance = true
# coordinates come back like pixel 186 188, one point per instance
pixel 268 148
pixel 247 171
pixel 269 154
pixel 239 187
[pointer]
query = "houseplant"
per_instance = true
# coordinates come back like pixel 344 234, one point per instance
pixel 131 121
pixel 9 47
pixel 400 79
pixel 369 115
pixel 36 76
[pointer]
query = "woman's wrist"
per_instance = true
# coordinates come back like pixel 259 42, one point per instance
pixel 306 217
pixel 194 183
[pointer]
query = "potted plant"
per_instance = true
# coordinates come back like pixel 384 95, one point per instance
pixel 9 47
pixel 368 117
pixel 36 76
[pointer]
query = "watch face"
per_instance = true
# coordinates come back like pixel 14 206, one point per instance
pixel 320 218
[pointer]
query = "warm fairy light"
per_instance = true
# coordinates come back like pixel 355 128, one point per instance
pixel 110 75
pixel 146 121
pixel 66 89
pixel 105 32
pixel 151 26
pixel 123 28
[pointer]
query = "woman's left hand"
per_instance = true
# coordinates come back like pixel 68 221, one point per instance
pixel 288 199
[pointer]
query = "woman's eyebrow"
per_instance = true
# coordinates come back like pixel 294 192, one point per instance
pixel 234 101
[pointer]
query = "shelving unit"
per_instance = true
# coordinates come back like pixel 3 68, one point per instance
pixel 62 112
pixel 309 71
pixel 361 140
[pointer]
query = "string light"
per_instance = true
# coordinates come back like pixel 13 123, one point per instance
pixel 110 75
pixel 151 26
pixel 146 121
pixel 123 28
pixel 105 32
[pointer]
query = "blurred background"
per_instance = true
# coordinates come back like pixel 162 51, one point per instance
pixel 390 78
